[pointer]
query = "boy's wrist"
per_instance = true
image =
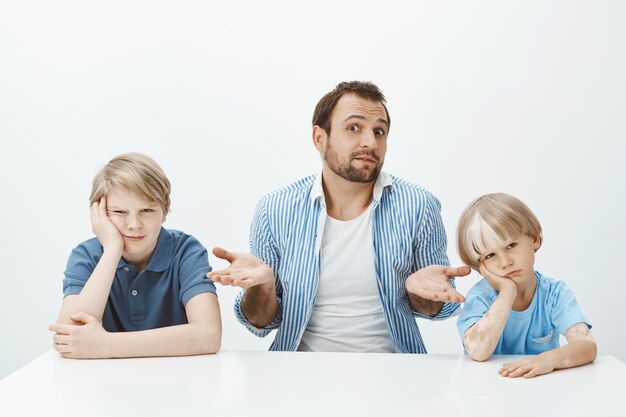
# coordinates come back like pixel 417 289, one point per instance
pixel 509 292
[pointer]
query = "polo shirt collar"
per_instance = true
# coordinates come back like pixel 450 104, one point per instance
pixel 384 180
pixel 162 255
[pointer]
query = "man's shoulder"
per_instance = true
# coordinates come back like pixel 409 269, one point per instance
pixel 410 193
pixel 295 191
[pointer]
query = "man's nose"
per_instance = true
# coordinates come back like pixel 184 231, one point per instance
pixel 368 139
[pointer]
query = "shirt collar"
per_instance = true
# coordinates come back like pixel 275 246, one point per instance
pixel 162 255
pixel 383 180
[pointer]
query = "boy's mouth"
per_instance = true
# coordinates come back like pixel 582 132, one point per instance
pixel 134 238
pixel 512 273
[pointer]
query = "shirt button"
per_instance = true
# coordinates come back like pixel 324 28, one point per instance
pixel 126 269
pixel 134 292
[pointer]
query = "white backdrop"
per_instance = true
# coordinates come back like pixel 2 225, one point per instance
pixel 524 97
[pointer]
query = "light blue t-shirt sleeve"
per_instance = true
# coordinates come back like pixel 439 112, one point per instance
pixel 477 302
pixel 565 309
pixel 194 265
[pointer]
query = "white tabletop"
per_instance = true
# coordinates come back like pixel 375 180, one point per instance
pixel 233 383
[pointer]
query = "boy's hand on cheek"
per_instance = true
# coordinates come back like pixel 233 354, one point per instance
pixel 527 367
pixel 496 281
pixel 104 229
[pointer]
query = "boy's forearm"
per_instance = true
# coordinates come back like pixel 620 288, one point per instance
pixel 576 353
pixel 181 340
pixel 481 339
pixel 94 295
pixel 259 305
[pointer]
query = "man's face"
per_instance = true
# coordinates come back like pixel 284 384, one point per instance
pixel 356 145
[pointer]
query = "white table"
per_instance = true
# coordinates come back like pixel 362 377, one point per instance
pixel 248 383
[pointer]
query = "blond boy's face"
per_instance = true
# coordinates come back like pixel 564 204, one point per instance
pixel 138 221
pixel 513 259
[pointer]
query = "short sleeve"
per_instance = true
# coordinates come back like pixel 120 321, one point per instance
pixel 476 305
pixel 565 309
pixel 194 265
pixel 80 266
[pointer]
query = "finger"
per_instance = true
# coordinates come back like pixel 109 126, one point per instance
pixel 455 295
pixel 460 271
pixel 532 373
pixel 223 279
pixel 62 349
pixel 220 272
pixel 61 328
pixel 83 317
pixel 60 339
pixel 519 371
pixel 223 254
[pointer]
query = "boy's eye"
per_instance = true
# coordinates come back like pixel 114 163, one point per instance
pixel 488 256
pixel 147 210
pixel 512 245
pixel 117 211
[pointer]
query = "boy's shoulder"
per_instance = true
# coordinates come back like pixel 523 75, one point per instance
pixel 550 287
pixel 482 289
pixel 178 240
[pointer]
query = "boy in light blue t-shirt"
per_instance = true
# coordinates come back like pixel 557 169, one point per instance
pixel 516 310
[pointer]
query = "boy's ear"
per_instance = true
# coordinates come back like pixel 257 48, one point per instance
pixel 537 242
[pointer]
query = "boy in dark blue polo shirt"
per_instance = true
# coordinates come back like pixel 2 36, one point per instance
pixel 136 289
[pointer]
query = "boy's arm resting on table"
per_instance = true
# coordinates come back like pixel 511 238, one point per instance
pixel 581 349
pixel 94 294
pixel 202 334
pixel 481 339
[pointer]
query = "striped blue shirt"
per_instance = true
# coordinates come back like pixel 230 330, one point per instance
pixel 286 233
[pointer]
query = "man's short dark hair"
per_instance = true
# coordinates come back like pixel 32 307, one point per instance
pixel 364 89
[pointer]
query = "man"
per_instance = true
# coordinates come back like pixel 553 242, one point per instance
pixel 350 257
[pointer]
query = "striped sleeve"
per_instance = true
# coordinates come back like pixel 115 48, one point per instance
pixel 262 246
pixel 431 249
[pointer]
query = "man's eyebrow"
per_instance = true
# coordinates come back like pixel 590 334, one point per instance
pixel 360 117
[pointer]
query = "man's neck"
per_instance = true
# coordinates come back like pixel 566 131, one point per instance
pixel 345 200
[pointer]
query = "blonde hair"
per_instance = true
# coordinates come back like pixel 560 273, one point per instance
pixel 499 214
pixel 136 172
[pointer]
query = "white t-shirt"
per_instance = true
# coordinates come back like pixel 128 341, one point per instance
pixel 347 315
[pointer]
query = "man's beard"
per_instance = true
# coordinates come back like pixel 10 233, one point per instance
pixel 349 172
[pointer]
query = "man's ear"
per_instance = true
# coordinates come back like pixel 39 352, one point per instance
pixel 319 138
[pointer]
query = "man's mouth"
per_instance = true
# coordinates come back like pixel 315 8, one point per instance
pixel 366 158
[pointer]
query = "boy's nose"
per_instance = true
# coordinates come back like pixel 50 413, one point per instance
pixel 133 222
pixel 506 262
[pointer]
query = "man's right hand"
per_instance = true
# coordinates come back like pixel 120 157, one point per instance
pixel 110 238
pixel 245 270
